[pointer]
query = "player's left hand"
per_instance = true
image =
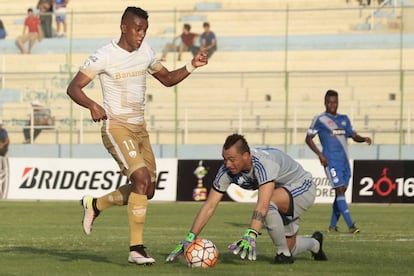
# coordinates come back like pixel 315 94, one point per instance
pixel 246 246
pixel 200 59
pixel 324 161
pixel 98 113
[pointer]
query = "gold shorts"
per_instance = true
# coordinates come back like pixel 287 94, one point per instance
pixel 131 149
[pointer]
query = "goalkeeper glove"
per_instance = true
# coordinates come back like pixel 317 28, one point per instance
pixel 181 247
pixel 246 246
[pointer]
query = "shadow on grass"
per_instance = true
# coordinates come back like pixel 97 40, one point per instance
pixel 230 258
pixel 62 254
pixel 236 224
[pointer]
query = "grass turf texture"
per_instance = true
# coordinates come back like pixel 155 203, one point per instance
pixel 46 238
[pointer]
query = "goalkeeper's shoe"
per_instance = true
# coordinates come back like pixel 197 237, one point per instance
pixel 89 213
pixel 283 259
pixel 140 257
pixel 353 229
pixel 320 255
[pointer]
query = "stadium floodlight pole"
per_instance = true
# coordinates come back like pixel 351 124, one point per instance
pixel 401 140
pixel 285 124
pixel 31 125
pixel 70 76
pixel 175 95
pixel 3 69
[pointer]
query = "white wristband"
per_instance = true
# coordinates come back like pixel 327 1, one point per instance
pixel 189 67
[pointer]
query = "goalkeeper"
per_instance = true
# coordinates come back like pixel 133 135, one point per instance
pixel 285 191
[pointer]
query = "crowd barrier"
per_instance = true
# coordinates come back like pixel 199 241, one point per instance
pixel 189 180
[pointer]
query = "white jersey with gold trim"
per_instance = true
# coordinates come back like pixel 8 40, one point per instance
pixel 122 75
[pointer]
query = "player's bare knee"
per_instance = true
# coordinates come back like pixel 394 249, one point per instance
pixel 140 181
pixel 340 190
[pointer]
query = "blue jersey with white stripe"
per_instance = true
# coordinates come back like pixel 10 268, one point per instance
pixel 268 164
pixel 333 132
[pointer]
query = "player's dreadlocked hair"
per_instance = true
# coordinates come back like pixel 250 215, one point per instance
pixel 135 11
pixel 238 139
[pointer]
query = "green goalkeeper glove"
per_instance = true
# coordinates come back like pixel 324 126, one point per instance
pixel 181 247
pixel 246 246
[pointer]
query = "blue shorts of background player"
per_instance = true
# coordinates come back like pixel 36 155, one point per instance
pixel 61 18
pixel 339 173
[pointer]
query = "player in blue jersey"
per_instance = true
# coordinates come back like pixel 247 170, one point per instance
pixel 285 191
pixel 333 130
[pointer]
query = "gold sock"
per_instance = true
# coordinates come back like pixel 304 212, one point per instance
pixel 137 209
pixel 118 197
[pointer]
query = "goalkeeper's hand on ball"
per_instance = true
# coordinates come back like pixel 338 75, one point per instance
pixel 181 247
pixel 246 246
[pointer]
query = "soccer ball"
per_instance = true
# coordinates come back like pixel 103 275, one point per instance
pixel 201 253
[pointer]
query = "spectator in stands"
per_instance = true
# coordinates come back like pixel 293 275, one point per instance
pixel 4 140
pixel 208 41
pixel 31 32
pixel 60 17
pixel 46 14
pixel 42 119
pixel 333 130
pixel 3 32
pixel 187 41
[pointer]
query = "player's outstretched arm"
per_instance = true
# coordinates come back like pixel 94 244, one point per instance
pixel 171 78
pixel 203 216
pixel 359 139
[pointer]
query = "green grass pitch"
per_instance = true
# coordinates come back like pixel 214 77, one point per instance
pixel 46 238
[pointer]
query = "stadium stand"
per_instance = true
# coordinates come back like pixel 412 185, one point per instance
pixel 243 87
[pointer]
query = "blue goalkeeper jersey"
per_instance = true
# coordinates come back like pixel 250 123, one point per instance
pixel 333 132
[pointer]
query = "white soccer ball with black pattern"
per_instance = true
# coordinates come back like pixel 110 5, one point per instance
pixel 201 253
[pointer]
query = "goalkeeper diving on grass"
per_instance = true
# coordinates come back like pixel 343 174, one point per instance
pixel 285 191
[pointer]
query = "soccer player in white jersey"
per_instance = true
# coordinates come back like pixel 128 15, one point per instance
pixel 285 191
pixel 333 130
pixel 122 66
